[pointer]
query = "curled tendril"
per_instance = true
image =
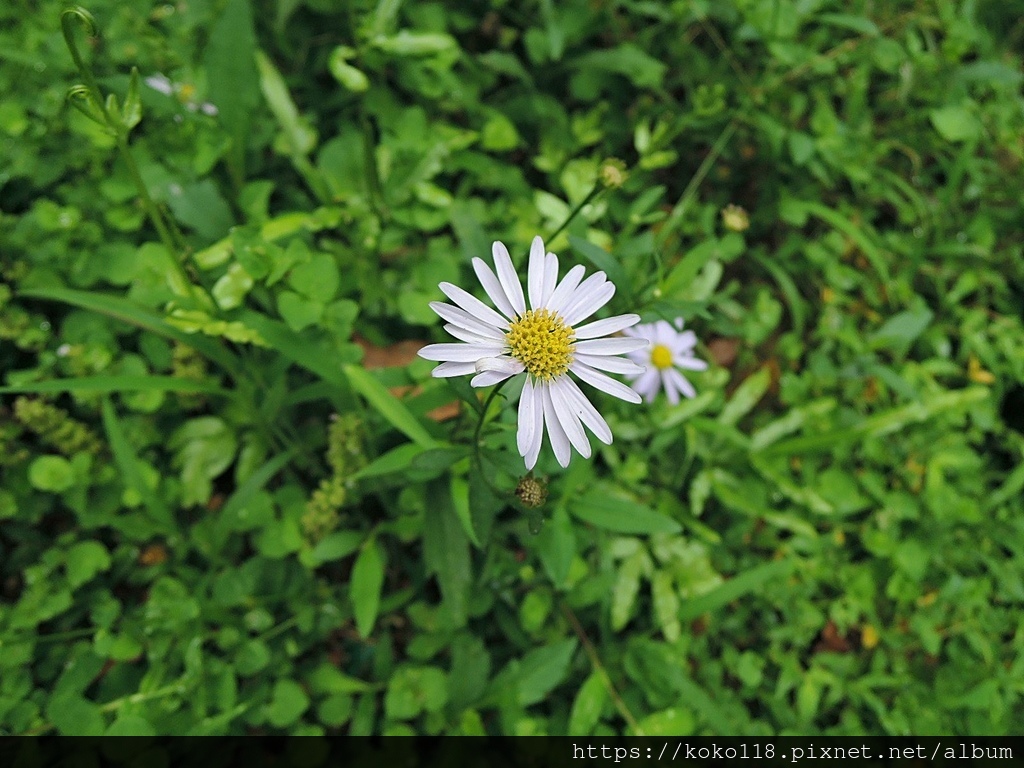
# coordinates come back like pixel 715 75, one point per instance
pixel 80 97
pixel 77 12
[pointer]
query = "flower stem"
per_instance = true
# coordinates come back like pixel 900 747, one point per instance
pixel 591 196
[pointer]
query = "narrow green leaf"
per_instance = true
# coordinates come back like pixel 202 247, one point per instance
pixel 542 669
pixel 746 396
pixel 388 406
pixel 132 111
pixel 605 506
pixel 128 464
pixel 460 503
pixel 586 708
pixel 756 579
pixel 365 586
pixel 244 493
pixel 447 554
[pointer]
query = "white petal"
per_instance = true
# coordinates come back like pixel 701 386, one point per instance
pixel 612 364
pixel 586 411
pixel 463 318
pixel 619 345
pixel 463 334
pixel 494 290
pixel 648 384
pixel 565 289
pixel 664 334
pixel 488 378
pixel 550 278
pixel 604 383
pixel 683 341
pixel 473 305
pixel 537 435
pixel 444 370
pixel 526 434
pixel 690 363
pixel 502 363
pixel 458 353
pixel 507 277
pixel 606 327
pixel 581 290
pixel 680 381
pixel 559 440
pixel 587 306
pixel 535 274
pixel 567 417
pixel 670 386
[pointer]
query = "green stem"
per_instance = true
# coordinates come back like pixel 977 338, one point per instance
pixel 691 188
pixel 477 456
pixel 591 196
pixel 182 284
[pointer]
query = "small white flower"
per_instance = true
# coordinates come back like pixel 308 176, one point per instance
pixel 183 91
pixel 671 348
pixel 545 342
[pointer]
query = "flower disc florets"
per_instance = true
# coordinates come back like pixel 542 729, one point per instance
pixel 542 342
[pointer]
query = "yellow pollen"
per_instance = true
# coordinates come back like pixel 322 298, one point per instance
pixel 542 342
pixel 661 356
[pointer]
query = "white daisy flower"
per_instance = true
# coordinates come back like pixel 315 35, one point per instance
pixel 671 348
pixel 545 342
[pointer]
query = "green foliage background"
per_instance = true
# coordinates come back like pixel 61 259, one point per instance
pixel 215 519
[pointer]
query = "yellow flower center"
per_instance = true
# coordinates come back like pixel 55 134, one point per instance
pixel 542 342
pixel 661 356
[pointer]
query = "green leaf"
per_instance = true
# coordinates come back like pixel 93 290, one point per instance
pixel 388 406
pixel 746 396
pixel 556 546
pixel 586 708
pixel 606 506
pixel 542 670
pixel 900 330
pixel 757 578
pixel 414 689
pixel 666 605
pixel 299 135
pixel 232 287
pixel 675 721
pixel 365 586
pixel 446 553
pixel 131 469
pixel 955 123
pixel 203 449
pixel 84 560
pixel 72 715
pixel 128 724
pixel 131 113
pixel 234 82
pixel 298 311
pixel 627 587
pixel 603 260
pixel 288 703
pixel 643 70
pixel 53 474
pixel 345 73
pixel 406 43
pixel 318 278
pixel 460 503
